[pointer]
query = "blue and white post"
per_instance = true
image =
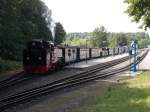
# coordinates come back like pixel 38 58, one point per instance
pixel 134 65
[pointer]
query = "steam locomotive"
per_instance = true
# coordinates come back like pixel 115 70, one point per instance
pixel 41 56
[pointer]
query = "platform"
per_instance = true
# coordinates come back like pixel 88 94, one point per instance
pixel 92 62
pixel 145 64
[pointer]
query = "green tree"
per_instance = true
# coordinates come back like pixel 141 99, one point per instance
pixel 122 39
pixel 35 18
pixel 99 37
pixel 118 39
pixel 139 10
pixel 113 42
pixel 20 21
pixel 144 43
pixel 9 29
pixel 60 33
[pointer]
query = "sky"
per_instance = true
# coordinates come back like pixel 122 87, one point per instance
pixel 86 15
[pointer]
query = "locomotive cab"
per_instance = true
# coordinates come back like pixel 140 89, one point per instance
pixel 36 56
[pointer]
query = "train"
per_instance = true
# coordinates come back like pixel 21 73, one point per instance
pixel 40 56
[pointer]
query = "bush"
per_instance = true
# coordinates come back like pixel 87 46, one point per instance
pixel 6 65
pixel 144 43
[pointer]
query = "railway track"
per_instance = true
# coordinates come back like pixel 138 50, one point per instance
pixel 58 85
pixel 20 77
pixel 15 79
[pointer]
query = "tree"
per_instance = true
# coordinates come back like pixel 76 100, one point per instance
pixel 122 39
pixel 21 21
pixel 59 33
pixel 141 35
pixel 113 42
pixel 35 18
pixel 9 29
pixel 139 10
pixel 99 37
pixel 144 43
pixel 118 39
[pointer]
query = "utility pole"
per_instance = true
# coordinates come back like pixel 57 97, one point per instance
pixel 86 51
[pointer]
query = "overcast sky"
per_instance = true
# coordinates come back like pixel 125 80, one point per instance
pixel 86 15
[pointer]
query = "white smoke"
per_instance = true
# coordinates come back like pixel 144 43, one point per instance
pixel 52 28
pixel 51 23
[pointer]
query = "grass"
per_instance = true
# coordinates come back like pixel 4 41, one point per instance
pixel 131 96
pixel 7 65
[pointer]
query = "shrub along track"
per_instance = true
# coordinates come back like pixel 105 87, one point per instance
pixel 58 85
pixel 20 77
